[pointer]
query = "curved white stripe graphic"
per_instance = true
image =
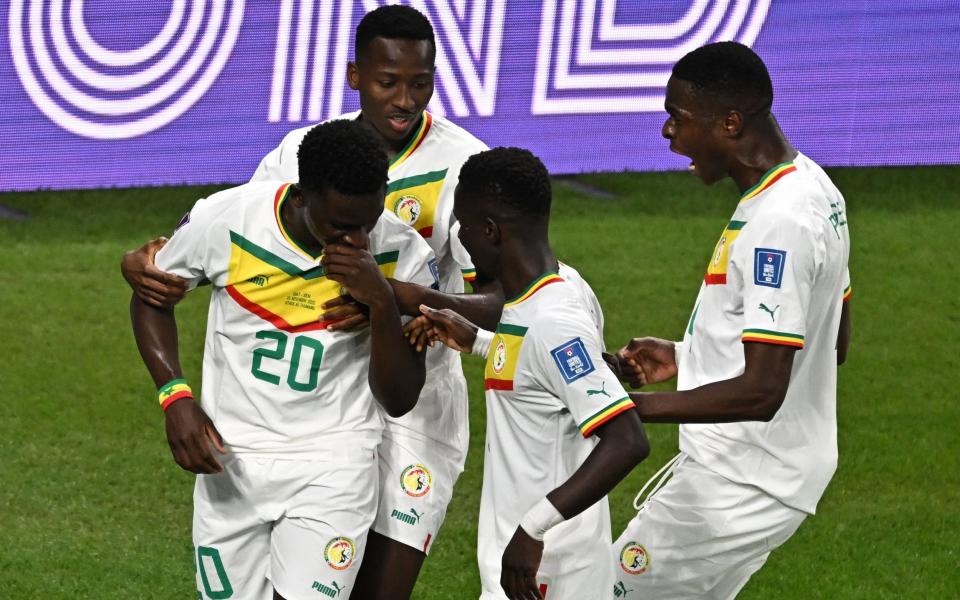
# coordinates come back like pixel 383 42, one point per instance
pixel 114 58
pixel 201 67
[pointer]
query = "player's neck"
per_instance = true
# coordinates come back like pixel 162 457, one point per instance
pixel 292 220
pixel 526 265
pixel 760 150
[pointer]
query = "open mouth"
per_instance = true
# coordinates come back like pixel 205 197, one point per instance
pixel 400 123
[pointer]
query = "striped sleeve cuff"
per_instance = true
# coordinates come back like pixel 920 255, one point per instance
pixel 848 293
pixel 772 337
pixel 602 416
pixel 469 275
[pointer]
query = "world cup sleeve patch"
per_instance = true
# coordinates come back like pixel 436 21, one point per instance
pixel 768 266
pixel 572 360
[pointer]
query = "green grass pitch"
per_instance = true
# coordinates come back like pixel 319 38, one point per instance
pixel 93 506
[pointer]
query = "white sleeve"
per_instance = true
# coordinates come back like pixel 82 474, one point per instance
pixel 280 164
pixel 569 365
pixel 190 252
pixel 460 255
pixel 847 285
pixel 777 260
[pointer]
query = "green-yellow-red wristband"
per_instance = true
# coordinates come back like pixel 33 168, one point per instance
pixel 172 391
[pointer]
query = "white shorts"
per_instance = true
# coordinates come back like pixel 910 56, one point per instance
pixel 296 526
pixel 416 485
pixel 700 536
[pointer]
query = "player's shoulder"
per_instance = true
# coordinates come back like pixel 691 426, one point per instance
pixel 234 200
pixel 391 232
pixel 460 141
pixel 558 311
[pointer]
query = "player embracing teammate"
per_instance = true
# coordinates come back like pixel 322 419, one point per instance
pixel 767 307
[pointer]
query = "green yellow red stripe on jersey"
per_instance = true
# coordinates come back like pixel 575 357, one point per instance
pixel 469 275
pixel 282 194
pixel 501 366
pixel 719 263
pixel 425 123
pixel 848 293
pixel 605 414
pixel 533 288
pixel 414 200
pixel 772 337
pixel 281 293
pixel 769 178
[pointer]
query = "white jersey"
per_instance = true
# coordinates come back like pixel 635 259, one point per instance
pixel 778 276
pixel 548 389
pixel 422 179
pixel 275 380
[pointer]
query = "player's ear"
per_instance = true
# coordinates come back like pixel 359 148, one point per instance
pixel 732 124
pixel 491 231
pixel 353 76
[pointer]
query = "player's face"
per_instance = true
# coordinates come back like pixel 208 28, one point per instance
pixel 475 234
pixel 395 82
pixel 694 132
pixel 332 217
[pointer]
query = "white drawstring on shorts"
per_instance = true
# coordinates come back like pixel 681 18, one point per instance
pixel 661 477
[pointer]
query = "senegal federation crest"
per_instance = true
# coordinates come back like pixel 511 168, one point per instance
pixel 634 559
pixel 408 208
pixel 416 480
pixel 499 356
pixel 339 553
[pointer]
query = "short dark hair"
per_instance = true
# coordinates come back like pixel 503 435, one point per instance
pixel 731 74
pixel 343 155
pixel 513 177
pixel 393 22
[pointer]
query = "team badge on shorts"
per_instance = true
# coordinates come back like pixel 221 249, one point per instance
pixel 499 356
pixel 408 209
pixel 634 559
pixel 339 553
pixel 416 480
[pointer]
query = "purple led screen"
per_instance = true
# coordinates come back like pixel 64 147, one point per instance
pixel 117 93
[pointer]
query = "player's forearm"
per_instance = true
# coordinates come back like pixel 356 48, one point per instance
pixel 396 370
pixel 156 333
pixel 755 395
pixel 482 307
pixel 843 338
pixel 623 444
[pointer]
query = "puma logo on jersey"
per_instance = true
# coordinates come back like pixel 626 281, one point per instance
pixel 772 312
pixel 259 280
pixel 620 590
pixel 602 390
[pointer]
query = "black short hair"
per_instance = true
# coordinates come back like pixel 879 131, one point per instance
pixel 393 21
pixel 513 177
pixel 343 155
pixel 730 74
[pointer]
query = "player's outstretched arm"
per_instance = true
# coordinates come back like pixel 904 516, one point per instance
pixel 647 360
pixel 153 286
pixel 190 432
pixel 444 325
pixel 396 369
pixel 623 444
pixel 756 395
pixel 482 307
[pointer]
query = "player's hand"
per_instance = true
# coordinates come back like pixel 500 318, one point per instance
pixel 357 271
pixel 519 565
pixel 450 328
pixel 346 313
pixel 190 433
pixel 418 333
pixel 647 360
pixel 149 283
